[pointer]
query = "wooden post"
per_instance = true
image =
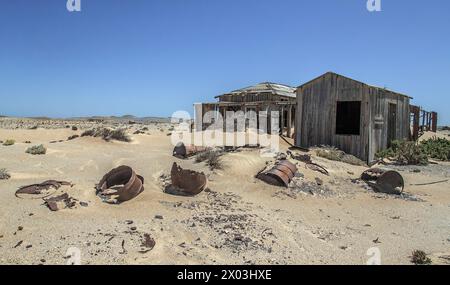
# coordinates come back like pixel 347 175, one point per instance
pixel 434 119
pixel 282 120
pixel 289 121
pixel 416 121
pixel 423 120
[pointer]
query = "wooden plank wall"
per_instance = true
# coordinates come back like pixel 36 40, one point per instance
pixel 379 102
pixel 316 115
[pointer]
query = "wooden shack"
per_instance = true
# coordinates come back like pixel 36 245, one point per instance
pixel 355 117
pixel 264 96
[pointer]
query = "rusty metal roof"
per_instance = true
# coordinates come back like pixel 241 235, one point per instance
pixel 265 87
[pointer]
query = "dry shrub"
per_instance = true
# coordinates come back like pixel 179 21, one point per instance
pixel 108 134
pixel 419 257
pixel 339 155
pixel 4 175
pixel 37 150
pixel 9 142
pixel 212 157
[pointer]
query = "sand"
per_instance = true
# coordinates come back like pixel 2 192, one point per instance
pixel 239 220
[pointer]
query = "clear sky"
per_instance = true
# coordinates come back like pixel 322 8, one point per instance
pixel 154 57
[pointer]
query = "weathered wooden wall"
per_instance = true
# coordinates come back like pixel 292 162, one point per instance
pixel 379 110
pixel 316 115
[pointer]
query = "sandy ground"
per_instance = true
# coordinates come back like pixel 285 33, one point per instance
pixel 240 220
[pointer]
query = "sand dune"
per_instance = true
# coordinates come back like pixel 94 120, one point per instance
pixel 241 220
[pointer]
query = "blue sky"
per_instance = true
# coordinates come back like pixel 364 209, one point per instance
pixel 153 57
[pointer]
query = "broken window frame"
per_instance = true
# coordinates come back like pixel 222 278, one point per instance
pixel 345 115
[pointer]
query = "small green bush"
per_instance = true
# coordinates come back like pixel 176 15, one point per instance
pixel 407 152
pixel 437 148
pixel 9 142
pixel 4 175
pixel 404 153
pixel 37 150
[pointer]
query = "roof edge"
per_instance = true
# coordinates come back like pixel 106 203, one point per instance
pixel 346 77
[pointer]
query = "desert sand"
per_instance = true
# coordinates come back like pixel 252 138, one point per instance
pixel 239 220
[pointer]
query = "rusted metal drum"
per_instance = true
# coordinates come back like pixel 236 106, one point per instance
pixel 385 181
pixel 188 182
pixel 280 175
pixel 124 181
pixel 184 151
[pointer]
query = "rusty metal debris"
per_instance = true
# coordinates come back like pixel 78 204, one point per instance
pixel 385 181
pixel 119 185
pixel 60 202
pixel 36 189
pixel 182 151
pixel 280 175
pixel 317 167
pixel 306 158
pixel 186 182
pixel 148 243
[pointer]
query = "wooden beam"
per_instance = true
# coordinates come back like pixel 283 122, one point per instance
pixel 289 121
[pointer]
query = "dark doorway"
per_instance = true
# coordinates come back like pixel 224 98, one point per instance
pixel 392 123
pixel 348 117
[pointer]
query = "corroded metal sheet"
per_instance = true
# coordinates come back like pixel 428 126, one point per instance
pixel 39 188
pixel 187 181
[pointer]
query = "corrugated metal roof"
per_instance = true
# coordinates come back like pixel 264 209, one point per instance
pixel 266 87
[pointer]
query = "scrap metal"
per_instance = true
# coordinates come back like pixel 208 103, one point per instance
pixel 385 181
pixel 280 175
pixel 187 182
pixel 36 189
pixel 122 182
pixel 184 151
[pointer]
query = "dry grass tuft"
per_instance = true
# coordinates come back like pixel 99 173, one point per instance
pixel 338 155
pixel 9 142
pixel 4 175
pixel 108 134
pixel 419 257
pixel 212 157
pixel 37 150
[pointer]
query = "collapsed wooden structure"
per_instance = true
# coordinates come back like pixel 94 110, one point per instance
pixel 261 97
pixel 422 121
pixel 331 109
